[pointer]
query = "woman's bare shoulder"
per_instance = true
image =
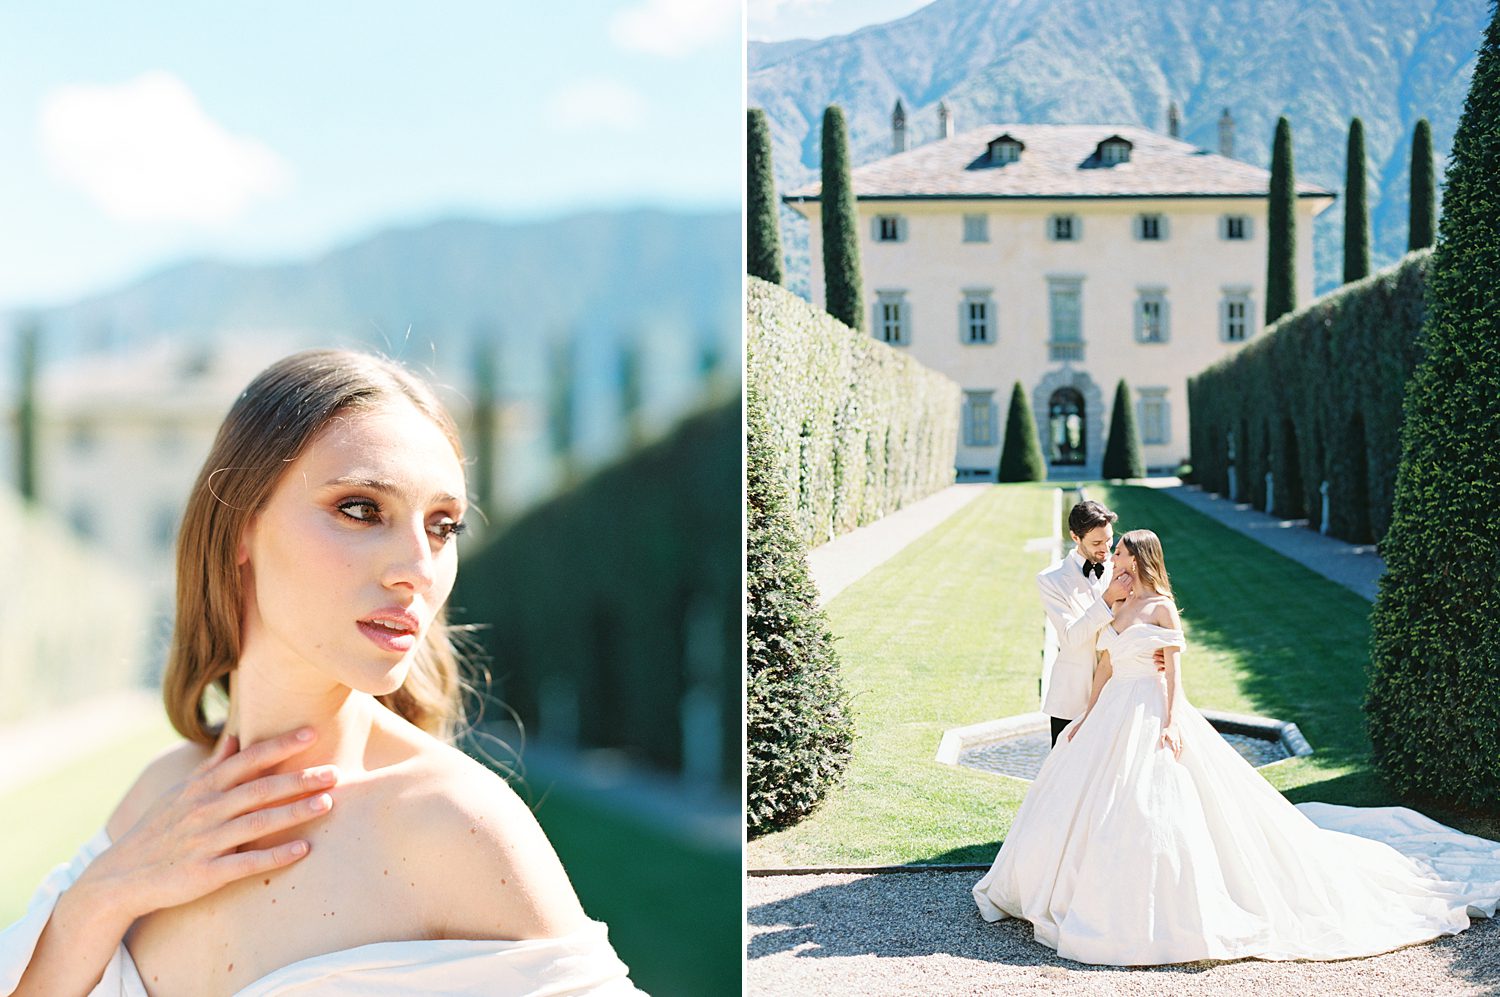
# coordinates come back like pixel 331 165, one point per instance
pixel 166 770
pixel 492 868
pixel 1164 613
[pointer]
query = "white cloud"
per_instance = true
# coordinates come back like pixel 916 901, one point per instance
pixel 591 104
pixel 146 151
pixel 674 27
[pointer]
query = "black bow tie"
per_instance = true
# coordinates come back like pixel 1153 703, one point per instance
pixel 1091 567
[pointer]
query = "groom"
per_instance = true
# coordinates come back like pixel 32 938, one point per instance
pixel 1078 594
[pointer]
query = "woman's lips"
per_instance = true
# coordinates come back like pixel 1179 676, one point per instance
pixel 393 630
pixel 398 641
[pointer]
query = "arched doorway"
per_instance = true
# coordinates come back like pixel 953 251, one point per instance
pixel 1065 428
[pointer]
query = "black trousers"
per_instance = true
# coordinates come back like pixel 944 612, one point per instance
pixel 1057 727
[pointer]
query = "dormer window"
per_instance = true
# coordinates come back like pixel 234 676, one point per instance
pixel 1113 151
pixel 1005 149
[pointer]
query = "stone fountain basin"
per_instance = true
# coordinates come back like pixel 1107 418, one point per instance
pixel 1016 746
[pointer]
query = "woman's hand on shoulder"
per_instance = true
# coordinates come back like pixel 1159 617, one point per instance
pixel 496 872
pixel 176 834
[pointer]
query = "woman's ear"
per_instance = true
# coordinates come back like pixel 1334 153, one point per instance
pixel 242 550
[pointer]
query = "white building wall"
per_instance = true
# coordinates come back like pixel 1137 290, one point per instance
pixel 1193 265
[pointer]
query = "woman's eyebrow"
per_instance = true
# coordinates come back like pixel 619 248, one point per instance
pixel 378 485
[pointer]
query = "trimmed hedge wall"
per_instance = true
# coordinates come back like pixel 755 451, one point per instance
pixel 864 429
pixel 1317 397
pixel 623 593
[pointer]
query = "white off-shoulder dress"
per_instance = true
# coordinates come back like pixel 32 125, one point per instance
pixel 579 963
pixel 1123 854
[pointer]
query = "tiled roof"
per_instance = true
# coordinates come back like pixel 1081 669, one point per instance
pixel 1058 161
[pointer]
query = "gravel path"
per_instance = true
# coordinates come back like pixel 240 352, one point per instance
pixel 919 933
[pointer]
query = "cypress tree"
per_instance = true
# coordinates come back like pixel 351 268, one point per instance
pixel 1433 706
pixel 631 374
pixel 1281 252
pixel 799 734
pixel 764 229
pixel 26 421
pixel 562 406
pixel 1021 454
pixel 1122 452
pixel 1423 209
pixel 1356 215
pixel 842 282
pixel 484 424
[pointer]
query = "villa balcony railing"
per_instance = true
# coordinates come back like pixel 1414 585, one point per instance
pixel 1066 349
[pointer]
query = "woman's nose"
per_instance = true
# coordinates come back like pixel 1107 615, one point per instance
pixel 411 559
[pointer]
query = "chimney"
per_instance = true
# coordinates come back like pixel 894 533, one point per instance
pixel 1174 122
pixel 945 121
pixel 1226 135
pixel 898 128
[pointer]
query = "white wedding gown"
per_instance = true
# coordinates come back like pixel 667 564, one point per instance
pixel 1123 855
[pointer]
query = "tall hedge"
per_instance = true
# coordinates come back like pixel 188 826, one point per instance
pixel 610 610
pixel 842 281
pixel 1422 212
pixel 762 222
pixel 1356 212
pixel 1122 451
pixel 1434 700
pixel 1021 453
pixel 1281 243
pixel 1317 397
pixel 863 429
pixel 798 731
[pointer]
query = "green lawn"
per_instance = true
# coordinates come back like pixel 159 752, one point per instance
pixel 949 633
pixel 673 909
pixel 46 821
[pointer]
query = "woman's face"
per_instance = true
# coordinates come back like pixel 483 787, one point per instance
pixel 1124 560
pixel 355 551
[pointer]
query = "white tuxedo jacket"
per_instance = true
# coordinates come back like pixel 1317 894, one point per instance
pixel 1075 605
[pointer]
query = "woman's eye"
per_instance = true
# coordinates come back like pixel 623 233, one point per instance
pixel 447 529
pixel 362 510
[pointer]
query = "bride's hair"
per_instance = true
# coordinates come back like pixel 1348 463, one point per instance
pixel 1150 565
pixel 283 409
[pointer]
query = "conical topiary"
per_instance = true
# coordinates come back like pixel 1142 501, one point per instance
pixel 1423 210
pixel 1433 707
pixel 798 731
pixel 1021 454
pixel 763 228
pixel 842 282
pixel 1122 452
pixel 1356 214
pixel 1281 247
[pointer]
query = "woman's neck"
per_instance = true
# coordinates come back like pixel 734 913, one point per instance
pixel 265 701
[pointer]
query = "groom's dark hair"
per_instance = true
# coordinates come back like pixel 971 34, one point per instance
pixel 1087 516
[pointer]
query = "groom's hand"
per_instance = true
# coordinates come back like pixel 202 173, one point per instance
pixel 1119 587
pixel 1160 657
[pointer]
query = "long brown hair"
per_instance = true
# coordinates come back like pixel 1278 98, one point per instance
pixel 273 419
pixel 1150 564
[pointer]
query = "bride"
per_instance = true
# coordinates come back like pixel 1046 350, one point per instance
pixel 1146 840
pixel 327 836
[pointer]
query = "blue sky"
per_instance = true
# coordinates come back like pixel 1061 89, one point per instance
pixel 140 134
pixel 778 20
